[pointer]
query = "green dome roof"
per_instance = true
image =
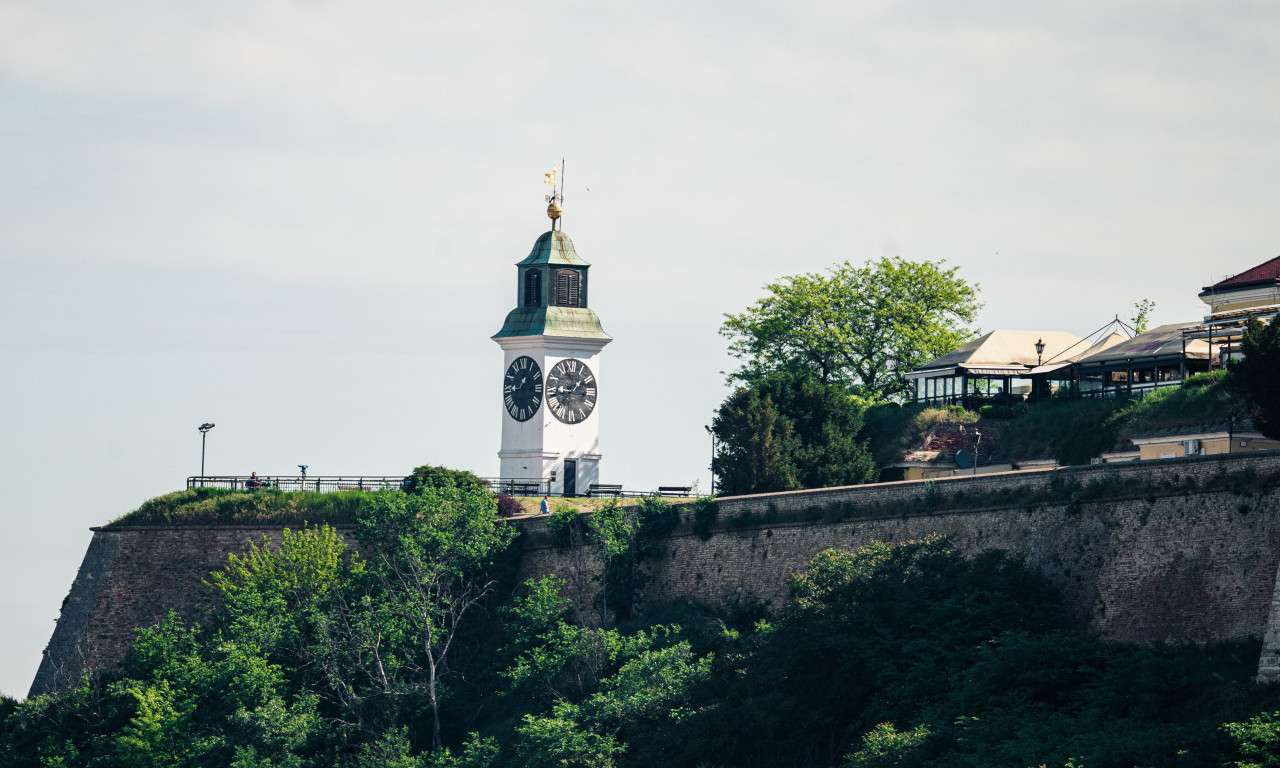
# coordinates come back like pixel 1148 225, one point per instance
pixel 553 248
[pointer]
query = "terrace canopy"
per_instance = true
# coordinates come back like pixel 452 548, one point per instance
pixel 995 368
pixel 1162 356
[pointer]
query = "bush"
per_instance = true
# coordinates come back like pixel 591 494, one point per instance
pixel 509 506
pixel 1204 379
pixel 704 511
pixel 441 477
pixel 1002 411
pixel 267 505
pixel 565 525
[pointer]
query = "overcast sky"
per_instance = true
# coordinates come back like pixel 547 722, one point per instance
pixel 298 220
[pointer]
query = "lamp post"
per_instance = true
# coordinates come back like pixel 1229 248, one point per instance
pixel 977 440
pixel 1039 351
pixel 204 433
pixel 713 458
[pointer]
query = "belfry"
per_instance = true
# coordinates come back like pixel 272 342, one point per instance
pixel 551 346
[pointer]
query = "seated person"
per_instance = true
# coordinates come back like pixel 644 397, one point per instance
pixel 253 482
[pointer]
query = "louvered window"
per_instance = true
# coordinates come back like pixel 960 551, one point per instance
pixel 533 288
pixel 567 288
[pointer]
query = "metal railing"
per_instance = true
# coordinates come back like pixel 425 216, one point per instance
pixel 315 483
pixel 511 486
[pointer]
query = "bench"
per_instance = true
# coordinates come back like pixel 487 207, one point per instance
pixel 604 489
pixel 674 490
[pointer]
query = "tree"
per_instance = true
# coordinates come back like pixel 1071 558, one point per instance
pixel 756 445
pixel 1141 313
pixel 826 421
pixel 432 553
pixel 789 431
pixel 1257 376
pixel 862 327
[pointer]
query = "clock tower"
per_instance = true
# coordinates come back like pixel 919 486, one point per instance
pixel 551 346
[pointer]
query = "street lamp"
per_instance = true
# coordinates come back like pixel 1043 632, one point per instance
pixel 977 440
pixel 204 433
pixel 1039 350
pixel 713 458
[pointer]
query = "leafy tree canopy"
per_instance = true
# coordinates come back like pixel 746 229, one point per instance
pixel 863 327
pixel 440 477
pixel 789 431
pixel 1257 376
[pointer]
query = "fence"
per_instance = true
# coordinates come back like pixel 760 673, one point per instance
pixel 511 486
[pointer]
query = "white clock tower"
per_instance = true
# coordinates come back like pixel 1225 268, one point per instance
pixel 551 346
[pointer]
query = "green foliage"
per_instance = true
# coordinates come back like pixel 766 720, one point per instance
pixel 415 656
pixel 756 445
pixel 1002 411
pixel 703 512
pixel 789 431
pixel 1256 741
pixel 886 747
pixel 1204 379
pixel 268 505
pixel 557 740
pixel 1070 430
pixel 1167 408
pixel 565 526
pixel 890 429
pixel 1256 375
pixel 425 477
pixel 825 421
pixel 859 327
pixel 1141 313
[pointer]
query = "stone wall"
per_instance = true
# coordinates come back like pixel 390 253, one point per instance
pixel 1194 565
pixel 132 577
pixel 1181 551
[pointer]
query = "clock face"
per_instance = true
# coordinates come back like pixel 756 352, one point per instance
pixel 522 388
pixel 571 391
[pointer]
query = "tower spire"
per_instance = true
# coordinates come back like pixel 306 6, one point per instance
pixel 556 198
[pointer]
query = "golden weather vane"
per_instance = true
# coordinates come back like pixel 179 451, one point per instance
pixel 556 197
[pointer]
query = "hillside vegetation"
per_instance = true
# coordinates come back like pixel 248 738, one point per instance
pixel 428 655
pixel 1072 430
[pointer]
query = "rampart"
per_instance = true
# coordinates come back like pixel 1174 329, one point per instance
pixel 1182 550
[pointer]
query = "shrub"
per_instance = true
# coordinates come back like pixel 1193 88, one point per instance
pixel 509 506
pixel 1203 379
pixel 704 511
pixel 564 525
pixel 440 477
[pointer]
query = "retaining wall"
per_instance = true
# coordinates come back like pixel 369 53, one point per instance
pixel 1183 550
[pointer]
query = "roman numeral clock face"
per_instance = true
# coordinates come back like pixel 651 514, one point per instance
pixel 522 388
pixel 571 391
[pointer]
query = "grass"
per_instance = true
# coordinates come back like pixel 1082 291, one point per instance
pixel 198 506
pixel 1075 430
pixel 219 506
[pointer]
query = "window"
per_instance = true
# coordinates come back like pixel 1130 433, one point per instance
pixel 567 288
pixel 533 288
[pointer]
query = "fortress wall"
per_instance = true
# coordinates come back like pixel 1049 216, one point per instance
pixel 132 577
pixel 1194 565
pixel 1179 568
